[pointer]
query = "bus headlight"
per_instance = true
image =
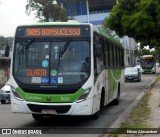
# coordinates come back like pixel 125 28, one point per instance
pixel 16 94
pixel 84 95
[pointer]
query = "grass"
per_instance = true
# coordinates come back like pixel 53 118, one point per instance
pixel 158 79
pixel 138 117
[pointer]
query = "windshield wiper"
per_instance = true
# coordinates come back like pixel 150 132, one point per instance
pixel 26 45
pixel 63 50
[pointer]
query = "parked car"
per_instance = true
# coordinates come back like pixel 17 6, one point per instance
pixel 132 74
pixel 5 94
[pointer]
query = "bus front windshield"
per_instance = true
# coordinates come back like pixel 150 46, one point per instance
pixel 147 63
pixel 58 62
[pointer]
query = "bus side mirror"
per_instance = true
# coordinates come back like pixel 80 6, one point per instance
pixel 7 48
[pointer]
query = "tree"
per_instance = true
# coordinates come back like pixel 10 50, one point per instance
pixel 156 53
pixel 45 10
pixel 139 19
pixel 145 51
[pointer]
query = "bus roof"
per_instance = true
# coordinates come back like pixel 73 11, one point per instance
pixel 147 57
pixel 104 33
pixel 54 23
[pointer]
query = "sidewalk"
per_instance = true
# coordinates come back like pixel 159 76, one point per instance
pixel 154 119
pixel 154 105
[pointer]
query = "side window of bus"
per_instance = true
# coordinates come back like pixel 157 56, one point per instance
pixel 118 56
pixel 98 55
pixel 106 50
pixel 115 56
pixel 121 54
pixel 111 54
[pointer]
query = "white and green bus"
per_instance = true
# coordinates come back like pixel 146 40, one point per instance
pixel 65 69
pixel 148 64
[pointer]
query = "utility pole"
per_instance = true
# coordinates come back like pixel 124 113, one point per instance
pixel 87 4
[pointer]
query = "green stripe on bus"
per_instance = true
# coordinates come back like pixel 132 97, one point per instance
pixel 114 76
pixel 55 98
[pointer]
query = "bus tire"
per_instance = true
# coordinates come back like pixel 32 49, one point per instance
pixel 98 113
pixel 37 117
pixel 117 100
pixel 3 101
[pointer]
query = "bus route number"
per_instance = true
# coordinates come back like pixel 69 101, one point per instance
pixel 33 32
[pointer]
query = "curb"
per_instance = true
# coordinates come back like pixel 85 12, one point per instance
pixel 125 114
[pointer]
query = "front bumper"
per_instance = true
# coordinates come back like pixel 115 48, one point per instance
pixel 82 108
pixel 131 78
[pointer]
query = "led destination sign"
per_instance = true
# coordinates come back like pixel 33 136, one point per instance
pixel 53 31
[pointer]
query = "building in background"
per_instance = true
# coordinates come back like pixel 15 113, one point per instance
pixel 9 41
pixel 98 11
pixel 5 62
pixel 130 46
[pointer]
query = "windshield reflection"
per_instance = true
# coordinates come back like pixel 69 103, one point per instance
pixel 43 63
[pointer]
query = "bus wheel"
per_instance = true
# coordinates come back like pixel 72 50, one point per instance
pixel 37 117
pixel 98 113
pixel 3 101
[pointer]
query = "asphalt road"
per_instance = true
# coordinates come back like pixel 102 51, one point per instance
pixel 85 125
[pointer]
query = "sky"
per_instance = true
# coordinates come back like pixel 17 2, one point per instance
pixel 12 14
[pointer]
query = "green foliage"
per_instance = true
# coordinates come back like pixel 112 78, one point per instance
pixel 139 116
pixel 157 80
pixel 139 19
pixel 145 51
pixel 44 10
pixel 157 53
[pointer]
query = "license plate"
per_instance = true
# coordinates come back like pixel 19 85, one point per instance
pixel 47 111
pixel 129 77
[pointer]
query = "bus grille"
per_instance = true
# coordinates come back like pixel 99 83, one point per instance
pixel 58 109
